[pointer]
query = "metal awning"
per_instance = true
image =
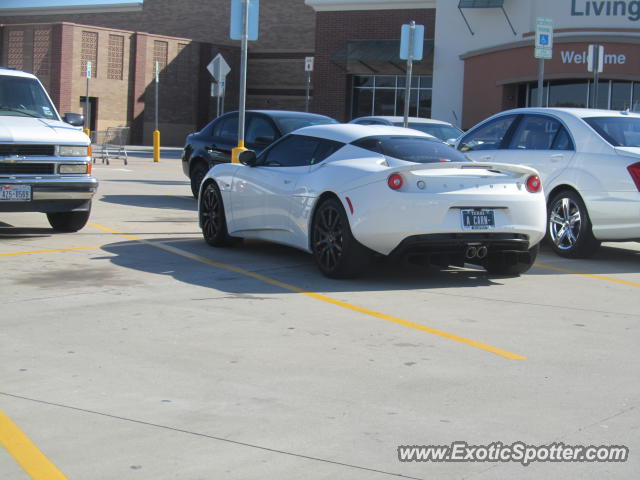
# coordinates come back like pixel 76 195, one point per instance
pixel 378 56
pixel 483 4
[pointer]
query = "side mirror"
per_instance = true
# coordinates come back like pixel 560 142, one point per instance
pixel 75 119
pixel 451 142
pixel 248 158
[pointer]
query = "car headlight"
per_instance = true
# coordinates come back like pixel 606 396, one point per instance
pixel 75 168
pixel 73 151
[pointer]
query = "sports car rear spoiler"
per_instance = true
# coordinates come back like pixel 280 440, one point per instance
pixel 493 167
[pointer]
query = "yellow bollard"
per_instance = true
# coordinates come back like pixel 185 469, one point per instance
pixel 235 153
pixel 156 145
pixel 87 132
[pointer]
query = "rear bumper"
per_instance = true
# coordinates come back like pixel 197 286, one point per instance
pixel 62 194
pixel 452 248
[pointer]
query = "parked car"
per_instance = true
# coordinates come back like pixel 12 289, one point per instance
pixel 44 159
pixel 589 164
pixel 213 144
pixel 345 192
pixel 439 129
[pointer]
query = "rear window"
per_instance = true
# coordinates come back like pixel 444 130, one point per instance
pixel 411 149
pixel 289 124
pixel 618 131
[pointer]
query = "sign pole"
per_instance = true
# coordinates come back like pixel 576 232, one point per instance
pixel 306 100
pixel 407 91
pixel 596 74
pixel 156 132
pixel 243 82
pixel 87 107
pixel 540 82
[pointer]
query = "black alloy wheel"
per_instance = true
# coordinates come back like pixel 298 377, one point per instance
pixel 337 253
pixel 212 219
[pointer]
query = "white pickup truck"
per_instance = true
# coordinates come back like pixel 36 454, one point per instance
pixel 45 165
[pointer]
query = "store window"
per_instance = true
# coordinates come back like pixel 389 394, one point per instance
pixel 385 95
pixel 611 95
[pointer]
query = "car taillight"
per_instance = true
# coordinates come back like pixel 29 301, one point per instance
pixel 533 184
pixel 395 181
pixel 634 171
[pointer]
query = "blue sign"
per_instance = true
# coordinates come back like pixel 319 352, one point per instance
pixel 544 39
pixel 418 42
pixel 237 18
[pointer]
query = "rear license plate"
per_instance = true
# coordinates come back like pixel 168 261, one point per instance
pixel 478 219
pixel 15 193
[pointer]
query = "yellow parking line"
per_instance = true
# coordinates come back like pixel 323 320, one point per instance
pixel 32 460
pixel 13 254
pixel 317 296
pixel 588 275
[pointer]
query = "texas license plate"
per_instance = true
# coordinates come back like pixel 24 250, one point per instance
pixel 15 193
pixel 478 219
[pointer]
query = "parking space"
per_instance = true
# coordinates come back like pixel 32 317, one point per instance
pixel 132 350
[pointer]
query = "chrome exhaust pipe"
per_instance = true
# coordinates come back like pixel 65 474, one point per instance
pixel 482 252
pixel 471 252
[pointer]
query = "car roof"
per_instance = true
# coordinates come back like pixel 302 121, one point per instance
pixel 576 112
pixel 287 113
pixel 349 132
pixel 399 119
pixel 15 73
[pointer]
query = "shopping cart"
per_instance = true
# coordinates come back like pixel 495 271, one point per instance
pixel 109 143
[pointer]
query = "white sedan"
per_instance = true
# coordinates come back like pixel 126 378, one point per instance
pixel 347 192
pixel 589 163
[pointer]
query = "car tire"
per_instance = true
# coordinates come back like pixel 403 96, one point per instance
pixel 212 218
pixel 336 252
pixel 569 230
pixel 198 172
pixel 68 221
pixel 498 266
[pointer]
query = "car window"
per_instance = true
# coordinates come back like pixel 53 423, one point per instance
pixel 540 132
pixel 226 129
pixel 24 97
pixel 618 131
pixel 289 124
pixel 443 132
pixel 411 149
pixel 292 151
pixel 260 132
pixel 325 149
pixel 488 136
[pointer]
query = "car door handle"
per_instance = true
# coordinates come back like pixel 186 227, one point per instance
pixel 287 182
pixel 557 157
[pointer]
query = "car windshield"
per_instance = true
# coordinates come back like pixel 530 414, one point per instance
pixel 412 149
pixel 24 97
pixel 289 124
pixel 618 131
pixel 443 132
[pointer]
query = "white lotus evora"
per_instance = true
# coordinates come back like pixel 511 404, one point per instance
pixel 346 192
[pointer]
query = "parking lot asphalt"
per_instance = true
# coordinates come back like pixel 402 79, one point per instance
pixel 132 350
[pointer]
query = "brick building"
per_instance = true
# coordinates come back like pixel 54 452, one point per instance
pixel 55 44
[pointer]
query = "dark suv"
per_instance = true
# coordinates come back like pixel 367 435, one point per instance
pixel 213 144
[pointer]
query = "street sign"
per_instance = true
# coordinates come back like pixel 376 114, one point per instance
pixel 218 68
pixel 308 64
pixel 237 19
pixel 88 69
pixel 416 49
pixel 595 57
pixel 217 89
pixel 544 38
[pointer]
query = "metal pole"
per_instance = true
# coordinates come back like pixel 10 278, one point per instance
pixel 407 91
pixel 157 75
pixel 540 82
pixel 87 111
pixel 596 74
pixel 243 81
pixel 306 102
